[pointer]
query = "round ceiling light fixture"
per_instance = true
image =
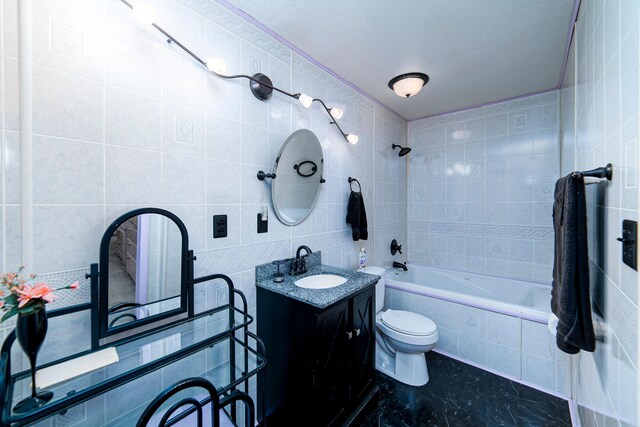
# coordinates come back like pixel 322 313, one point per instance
pixel 406 85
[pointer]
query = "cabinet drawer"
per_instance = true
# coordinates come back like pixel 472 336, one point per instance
pixel 132 234
pixel 130 267
pixel 132 250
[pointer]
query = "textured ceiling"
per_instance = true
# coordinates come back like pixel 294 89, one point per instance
pixel 474 51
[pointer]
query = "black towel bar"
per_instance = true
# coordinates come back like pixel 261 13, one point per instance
pixel 603 172
pixel 351 180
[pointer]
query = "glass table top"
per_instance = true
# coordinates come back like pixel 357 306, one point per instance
pixel 212 333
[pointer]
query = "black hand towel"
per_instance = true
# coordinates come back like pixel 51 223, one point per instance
pixel 570 296
pixel 357 216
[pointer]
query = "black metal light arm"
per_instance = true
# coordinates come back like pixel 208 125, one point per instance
pixel 333 120
pixel 270 86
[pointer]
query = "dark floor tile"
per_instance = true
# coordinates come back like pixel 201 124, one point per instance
pixel 460 395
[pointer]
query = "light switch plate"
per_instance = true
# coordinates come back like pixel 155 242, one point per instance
pixel 263 226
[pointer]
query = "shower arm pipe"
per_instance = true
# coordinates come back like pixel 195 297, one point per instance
pixel 333 120
pixel 234 76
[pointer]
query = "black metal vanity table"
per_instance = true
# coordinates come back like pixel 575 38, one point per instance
pixel 205 332
pixel 142 347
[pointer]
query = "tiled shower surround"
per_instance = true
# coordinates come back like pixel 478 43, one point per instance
pixel 481 187
pixel 122 119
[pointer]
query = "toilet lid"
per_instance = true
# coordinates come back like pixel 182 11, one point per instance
pixel 408 323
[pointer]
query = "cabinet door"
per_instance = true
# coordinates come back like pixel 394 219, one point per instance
pixel 363 369
pixel 331 376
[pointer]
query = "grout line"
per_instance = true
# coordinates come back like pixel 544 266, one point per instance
pixel 26 128
pixel 487 104
pixel 104 120
pixel 163 51
pixel 3 144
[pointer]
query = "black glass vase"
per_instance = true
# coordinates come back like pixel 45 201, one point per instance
pixel 30 330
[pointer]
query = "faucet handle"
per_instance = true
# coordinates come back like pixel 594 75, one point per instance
pixel 395 247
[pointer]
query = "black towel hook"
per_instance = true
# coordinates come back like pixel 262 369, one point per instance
pixel 351 180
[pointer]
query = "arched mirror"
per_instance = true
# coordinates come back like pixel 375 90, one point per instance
pixel 143 270
pixel 299 168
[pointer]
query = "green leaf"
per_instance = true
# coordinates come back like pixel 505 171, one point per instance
pixel 9 314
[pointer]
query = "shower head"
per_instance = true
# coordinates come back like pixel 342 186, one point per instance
pixel 403 150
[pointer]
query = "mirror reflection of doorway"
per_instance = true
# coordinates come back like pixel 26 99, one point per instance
pixel 122 263
pixel 138 261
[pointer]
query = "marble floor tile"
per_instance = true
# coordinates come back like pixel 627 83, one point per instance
pixel 460 395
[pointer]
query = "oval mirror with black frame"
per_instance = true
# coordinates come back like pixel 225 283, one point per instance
pixel 143 270
pixel 299 169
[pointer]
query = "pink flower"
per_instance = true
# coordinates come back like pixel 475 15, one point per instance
pixel 38 291
pixel 74 285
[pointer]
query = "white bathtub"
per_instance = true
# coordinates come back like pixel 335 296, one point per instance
pixel 512 297
pixel 494 323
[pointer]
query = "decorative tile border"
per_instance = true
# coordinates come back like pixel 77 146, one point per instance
pixel 311 70
pixel 528 101
pixel 227 20
pixel 493 230
pixel 239 258
pixel 66 297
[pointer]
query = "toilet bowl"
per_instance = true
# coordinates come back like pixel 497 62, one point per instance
pixel 402 339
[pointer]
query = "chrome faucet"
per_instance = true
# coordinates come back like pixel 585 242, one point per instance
pixel 299 263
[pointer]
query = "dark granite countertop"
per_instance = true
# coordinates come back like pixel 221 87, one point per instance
pixel 320 298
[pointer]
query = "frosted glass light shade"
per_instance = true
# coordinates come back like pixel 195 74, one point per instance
pixel 406 85
pixel 305 100
pixel 144 13
pixel 353 139
pixel 336 113
pixel 216 65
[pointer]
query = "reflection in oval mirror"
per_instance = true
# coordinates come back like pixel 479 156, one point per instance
pixel 145 275
pixel 299 169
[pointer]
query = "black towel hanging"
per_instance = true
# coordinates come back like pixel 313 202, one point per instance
pixel 356 213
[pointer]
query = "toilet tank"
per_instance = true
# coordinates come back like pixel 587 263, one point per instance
pixel 379 286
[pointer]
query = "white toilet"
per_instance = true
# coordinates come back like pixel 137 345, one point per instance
pixel 402 339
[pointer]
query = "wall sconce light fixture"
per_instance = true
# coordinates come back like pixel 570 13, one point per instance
pixel 261 86
pixel 409 84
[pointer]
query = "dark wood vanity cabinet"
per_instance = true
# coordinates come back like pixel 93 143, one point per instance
pixel 321 361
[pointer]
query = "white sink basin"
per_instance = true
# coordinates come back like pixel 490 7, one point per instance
pixel 320 281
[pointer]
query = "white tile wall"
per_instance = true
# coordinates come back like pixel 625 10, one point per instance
pixel 124 120
pixel 492 165
pixel 599 106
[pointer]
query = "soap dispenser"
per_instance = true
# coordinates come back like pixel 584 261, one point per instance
pixel 362 259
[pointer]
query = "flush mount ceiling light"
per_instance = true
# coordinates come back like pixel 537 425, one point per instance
pixel 261 86
pixel 406 85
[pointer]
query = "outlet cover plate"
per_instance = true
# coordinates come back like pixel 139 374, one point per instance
pixel 219 226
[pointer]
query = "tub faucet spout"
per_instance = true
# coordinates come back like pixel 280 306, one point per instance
pixel 397 264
